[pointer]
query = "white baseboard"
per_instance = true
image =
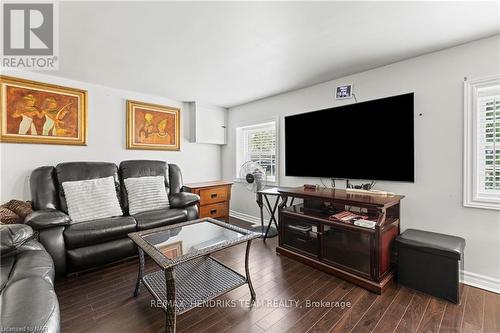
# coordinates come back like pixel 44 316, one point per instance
pixel 244 217
pixel 471 279
pixel 482 282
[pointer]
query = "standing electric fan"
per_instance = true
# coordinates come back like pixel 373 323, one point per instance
pixel 253 175
pixel 255 179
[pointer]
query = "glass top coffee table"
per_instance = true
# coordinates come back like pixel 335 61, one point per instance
pixel 188 275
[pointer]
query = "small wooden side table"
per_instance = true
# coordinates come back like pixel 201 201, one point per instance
pixel 215 198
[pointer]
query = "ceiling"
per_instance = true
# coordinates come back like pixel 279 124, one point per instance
pixel 229 53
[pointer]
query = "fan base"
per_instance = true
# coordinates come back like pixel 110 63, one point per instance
pixel 262 230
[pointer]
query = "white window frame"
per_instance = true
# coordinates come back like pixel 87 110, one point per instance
pixel 238 154
pixel 471 195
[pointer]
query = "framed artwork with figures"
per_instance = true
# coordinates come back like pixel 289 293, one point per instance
pixel 36 112
pixel 152 126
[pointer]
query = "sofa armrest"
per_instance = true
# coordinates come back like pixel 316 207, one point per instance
pixel 183 199
pixel 13 236
pixel 47 218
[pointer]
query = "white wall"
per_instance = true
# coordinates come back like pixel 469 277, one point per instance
pixel 106 140
pixel 434 201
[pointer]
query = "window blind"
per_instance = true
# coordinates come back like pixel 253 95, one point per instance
pixel 261 148
pixel 488 145
pixel 258 143
pixel 482 143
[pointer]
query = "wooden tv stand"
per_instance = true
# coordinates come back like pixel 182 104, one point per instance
pixel 357 254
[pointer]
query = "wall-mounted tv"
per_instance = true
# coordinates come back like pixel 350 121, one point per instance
pixel 368 140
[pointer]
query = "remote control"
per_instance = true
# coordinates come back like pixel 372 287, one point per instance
pixel 365 224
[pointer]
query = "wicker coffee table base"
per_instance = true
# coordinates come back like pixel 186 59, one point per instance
pixel 191 284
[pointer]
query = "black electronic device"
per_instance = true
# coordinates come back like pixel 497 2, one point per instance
pixel 371 140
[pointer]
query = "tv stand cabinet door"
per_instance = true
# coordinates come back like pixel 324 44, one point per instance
pixel 304 242
pixel 348 249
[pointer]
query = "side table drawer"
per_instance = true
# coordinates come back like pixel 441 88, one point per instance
pixel 214 210
pixel 212 195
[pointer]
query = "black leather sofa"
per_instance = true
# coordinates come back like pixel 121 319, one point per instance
pixel 27 297
pixel 79 246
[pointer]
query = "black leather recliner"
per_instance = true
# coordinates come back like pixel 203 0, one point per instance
pixel 27 297
pixel 79 246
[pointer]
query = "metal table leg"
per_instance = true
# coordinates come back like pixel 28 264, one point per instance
pixel 272 212
pixel 265 232
pixel 247 271
pixel 261 206
pixel 141 272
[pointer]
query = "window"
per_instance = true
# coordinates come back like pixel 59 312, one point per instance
pixel 482 143
pixel 257 143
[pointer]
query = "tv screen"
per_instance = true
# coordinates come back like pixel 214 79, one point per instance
pixel 370 140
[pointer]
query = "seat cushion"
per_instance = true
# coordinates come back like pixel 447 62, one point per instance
pixel 33 263
pixel 29 303
pixel 98 231
pixel 28 260
pixel 6 266
pixel 160 217
pixel 100 254
pixel 27 297
pixel 432 242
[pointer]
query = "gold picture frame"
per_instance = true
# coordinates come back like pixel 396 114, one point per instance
pixel 172 250
pixel 42 113
pixel 152 126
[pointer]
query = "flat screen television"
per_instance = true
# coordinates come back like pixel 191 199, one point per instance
pixel 370 140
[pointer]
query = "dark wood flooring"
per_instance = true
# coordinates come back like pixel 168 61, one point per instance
pixel 102 301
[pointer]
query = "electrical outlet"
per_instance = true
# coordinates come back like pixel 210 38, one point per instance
pixel 353 209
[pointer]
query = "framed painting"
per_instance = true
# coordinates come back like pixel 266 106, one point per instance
pixel 172 250
pixel 151 126
pixel 35 112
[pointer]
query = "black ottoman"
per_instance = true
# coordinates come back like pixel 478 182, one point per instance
pixel 430 262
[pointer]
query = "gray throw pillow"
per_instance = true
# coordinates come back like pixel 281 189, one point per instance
pixel 92 199
pixel 146 193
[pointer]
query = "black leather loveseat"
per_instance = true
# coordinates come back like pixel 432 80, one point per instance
pixel 27 297
pixel 80 246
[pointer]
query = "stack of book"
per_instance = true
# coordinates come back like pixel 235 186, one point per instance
pixel 347 217
pixel 353 218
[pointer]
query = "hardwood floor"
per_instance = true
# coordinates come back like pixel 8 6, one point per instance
pixel 102 301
